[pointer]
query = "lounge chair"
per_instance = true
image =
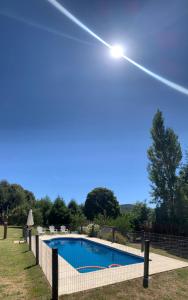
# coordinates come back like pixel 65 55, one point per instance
pixel 63 229
pixel 40 230
pixel 52 229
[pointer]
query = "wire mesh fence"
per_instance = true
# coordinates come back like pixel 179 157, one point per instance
pixel 104 256
pixel 44 255
pixel 171 245
pixel 84 262
pixel 45 260
pixel 90 263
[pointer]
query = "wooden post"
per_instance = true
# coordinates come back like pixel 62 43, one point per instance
pixel 142 240
pixel 92 230
pixel 113 234
pixel 5 227
pixel 54 274
pixel 146 264
pixel 30 231
pixel 25 233
pixel 37 248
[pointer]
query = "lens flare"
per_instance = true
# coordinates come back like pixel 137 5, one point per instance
pixel 65 12
pixel 161 79
pixel 45 28
pixel 116 51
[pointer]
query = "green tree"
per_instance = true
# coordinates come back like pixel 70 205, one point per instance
pixel 59 214
pixel 141 216
pixel 122 223
pixel 18 215
pixel 182 203
pixel 101 201
pixel 4 197
pixel 77 217
pixel 29 198
pixel 183 178
pixel 12 196
pixel 45 206
pixel 182 211
pixel 77 221
pixel 15 202
pixel 165 156
pixel 74 207
pixel 38 216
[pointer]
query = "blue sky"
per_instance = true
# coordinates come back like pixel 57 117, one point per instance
pixel 71 117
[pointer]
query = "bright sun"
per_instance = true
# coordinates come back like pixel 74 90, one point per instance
pixel 116 51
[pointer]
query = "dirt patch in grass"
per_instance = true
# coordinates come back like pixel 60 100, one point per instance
pixel 12 288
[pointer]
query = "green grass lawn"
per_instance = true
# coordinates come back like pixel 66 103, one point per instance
pixel 21 279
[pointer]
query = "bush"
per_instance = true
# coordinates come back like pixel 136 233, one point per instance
pixel 77 221
pixel 122 223
pixel 119 238
pixel 92 230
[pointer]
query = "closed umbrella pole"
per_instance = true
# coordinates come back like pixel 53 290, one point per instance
pixel 30 223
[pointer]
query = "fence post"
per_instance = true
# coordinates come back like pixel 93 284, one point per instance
pixel 5 230
pixel 113 234
pixel 23 231
pixel 146 264
pixel 142 240
pixel 93 230
pixel 30 231
pixel 37 248
pixel 54 274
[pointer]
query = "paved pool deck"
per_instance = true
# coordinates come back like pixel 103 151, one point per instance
pixel 71 281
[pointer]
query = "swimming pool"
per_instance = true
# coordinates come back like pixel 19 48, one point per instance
pixel 88 256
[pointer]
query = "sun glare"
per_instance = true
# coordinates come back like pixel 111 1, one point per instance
pixel 116 51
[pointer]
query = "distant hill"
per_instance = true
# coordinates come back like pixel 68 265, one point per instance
pixel 126 207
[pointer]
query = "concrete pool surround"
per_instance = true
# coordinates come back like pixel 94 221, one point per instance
pixel 72 281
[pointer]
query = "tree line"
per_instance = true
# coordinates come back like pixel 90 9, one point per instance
pixel 169 194
pixel 100 207
pixel 169 178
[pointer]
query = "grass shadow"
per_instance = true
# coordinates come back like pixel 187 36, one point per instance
pixel 29 267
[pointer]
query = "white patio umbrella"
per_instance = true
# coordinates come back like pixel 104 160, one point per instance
pixel 30 221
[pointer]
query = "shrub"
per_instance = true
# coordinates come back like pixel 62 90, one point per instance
pixel 122 223
pixel 92 230
pixel 119 238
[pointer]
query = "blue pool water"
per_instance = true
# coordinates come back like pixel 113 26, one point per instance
pixel 79 252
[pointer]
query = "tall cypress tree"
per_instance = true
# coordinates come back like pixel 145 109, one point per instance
pixel 165 156
pixel 184 172
pixel 182 207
